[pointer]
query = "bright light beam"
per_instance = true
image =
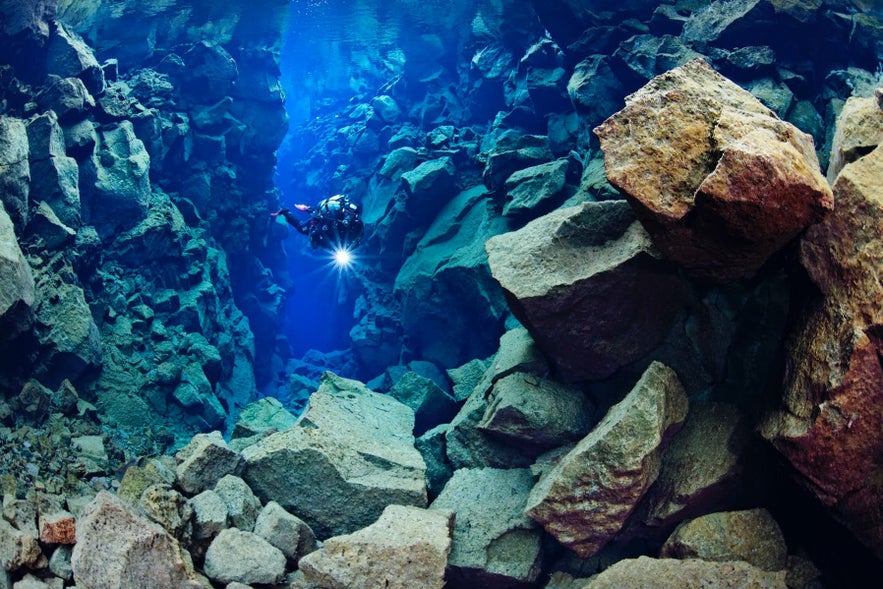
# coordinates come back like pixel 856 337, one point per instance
pixel 342 258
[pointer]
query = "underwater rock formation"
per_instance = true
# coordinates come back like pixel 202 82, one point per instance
pixel 719 182
pixel 578 279
pixel 584 499
pixel 831 415
pixel 412 543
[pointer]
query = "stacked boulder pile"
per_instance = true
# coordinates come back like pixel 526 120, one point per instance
pixel 585 312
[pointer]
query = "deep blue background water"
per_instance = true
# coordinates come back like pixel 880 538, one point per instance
pixel 335 52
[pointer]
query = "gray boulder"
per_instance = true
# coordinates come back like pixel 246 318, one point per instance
pixel 594 90
pixel 586 497
pixel 350 455
pixel 45 228
pixel 752 536
pixel 15 173
pixel 18 549
pixel 263 415
pixel 469 446
pixel 466 377
pixel 235 556
pixel 578 279
pixel 432 447
pixel 526 409
pixel 205 461
pixel 194 392
pixel 428 187
pixel 406 547
pixel 287 532
pixel 119 549
pixel 242 505
pixel 494 544
pixel 685 574
pixel 209 515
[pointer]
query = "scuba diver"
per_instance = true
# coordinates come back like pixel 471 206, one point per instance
pixel 334 223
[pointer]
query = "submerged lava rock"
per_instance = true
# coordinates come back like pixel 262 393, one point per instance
pixel 832 411
pixel 350 455
pixel 685 574
pixel 586 497
pixel 406 547
pixel 578 279
pixel 719 182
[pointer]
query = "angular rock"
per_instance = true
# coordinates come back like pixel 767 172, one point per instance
pixel 719 182
pixel 69 338
pixel 537 412
pixel 729 22
pixel 209 515
pixel 262 415
pixel 430 404
pixel 589 493
pixel 513 151
pixel 350 455
pixel 54 175
pixel 831 413
pixel 752 536
pixel 242 505
pixel 536 190
pixel 114 182
pixel 46 228
pixel 288 533
pixel 235 556
pixel 494 544
pixel 577 279
pixel 445 287
pixel 17 549
pixel 205 461
pixel 406 547
pixel 68 56
pixel 858 131
pixel 685 574
pixel 118 549
pixel 15 173
pixel 649 55
pixel 702 467
pixel 429 186
pixel 465 377
pixel 167 507
pixel 66 97
pixel 594 89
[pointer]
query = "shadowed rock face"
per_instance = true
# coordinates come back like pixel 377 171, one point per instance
pixel 832 411
pixel 719 182
pixel 585 499
pixel 579 278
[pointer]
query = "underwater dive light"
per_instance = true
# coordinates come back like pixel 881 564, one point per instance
pixel 342 257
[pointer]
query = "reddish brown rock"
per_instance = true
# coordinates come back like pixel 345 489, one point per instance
pixel 719 182
pixel 832 411
pixel 859 130
pixel 58 528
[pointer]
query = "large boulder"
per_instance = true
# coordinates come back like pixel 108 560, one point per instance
pixel 118 549
pixel 831 414
pixel 685 574
pixel 494 544
pixel 406 547
pixel 586 497
pixel 350 455
pixel 719 182
pixel 54 175
pixel 243 557
pixel 445 288
pixel 577 278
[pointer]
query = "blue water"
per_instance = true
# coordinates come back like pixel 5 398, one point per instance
pixel 336 52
